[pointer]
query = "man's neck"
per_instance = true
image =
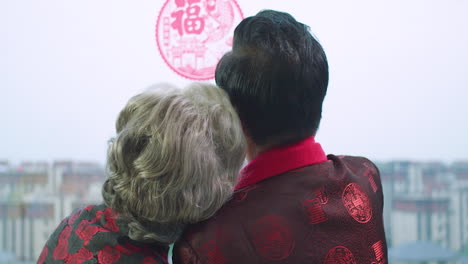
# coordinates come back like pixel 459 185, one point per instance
pixel 253 150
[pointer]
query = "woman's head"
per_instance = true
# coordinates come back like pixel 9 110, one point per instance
pixel 174 160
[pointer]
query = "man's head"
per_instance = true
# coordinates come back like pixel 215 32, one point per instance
pixel 276 77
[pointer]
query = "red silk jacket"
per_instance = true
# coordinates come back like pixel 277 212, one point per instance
pixel 92 235
pixel 295 205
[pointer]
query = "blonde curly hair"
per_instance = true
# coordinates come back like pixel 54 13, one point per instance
pixel 174 160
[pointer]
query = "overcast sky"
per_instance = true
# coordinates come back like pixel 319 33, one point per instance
pixel 398 74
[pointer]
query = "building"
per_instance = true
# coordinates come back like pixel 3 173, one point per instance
pixel 35 197
pixel 426 202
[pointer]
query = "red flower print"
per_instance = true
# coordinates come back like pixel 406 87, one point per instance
pixel 86 231
pixel 149 260
pixel 110 220
pixel 108 255
pixel 79 257
pixel 103 230
pixel 44 253
pixel 61 251
pixel 89 208
pixel 132 247
pixel 98 216
pixel 65 234
pixel 123 249
pixel 109 213
pixel 111 225
pixel 73 218
pixel 128 249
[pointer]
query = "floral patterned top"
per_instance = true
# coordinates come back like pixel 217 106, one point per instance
pixel 93 235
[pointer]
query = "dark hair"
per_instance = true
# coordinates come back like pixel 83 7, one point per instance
pixel 276 77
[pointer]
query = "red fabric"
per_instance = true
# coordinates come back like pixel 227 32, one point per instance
pixel 86 231
pixel 110 220
pixel 108 255
pixel 280 160
pixel 291 206
pixel 61 251
pixel 81 256
pixel 93 234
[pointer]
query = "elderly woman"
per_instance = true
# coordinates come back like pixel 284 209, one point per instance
pixel 173 162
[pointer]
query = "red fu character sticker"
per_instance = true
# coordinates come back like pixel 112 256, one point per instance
pixel 192 35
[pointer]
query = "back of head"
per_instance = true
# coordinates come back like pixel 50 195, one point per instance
pixel 174 160
pixel 276 76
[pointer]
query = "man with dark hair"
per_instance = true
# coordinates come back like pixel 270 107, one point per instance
pixel 293 204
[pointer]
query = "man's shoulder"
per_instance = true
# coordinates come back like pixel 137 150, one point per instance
pixel 354 162
pixel 358 160
pixel 285 207
pixel 279 189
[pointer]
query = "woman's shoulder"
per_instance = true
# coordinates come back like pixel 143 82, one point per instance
pixel 92 233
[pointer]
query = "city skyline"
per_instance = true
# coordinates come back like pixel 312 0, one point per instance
pixel 423 202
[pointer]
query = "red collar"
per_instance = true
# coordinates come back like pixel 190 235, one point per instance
pixel 280 160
